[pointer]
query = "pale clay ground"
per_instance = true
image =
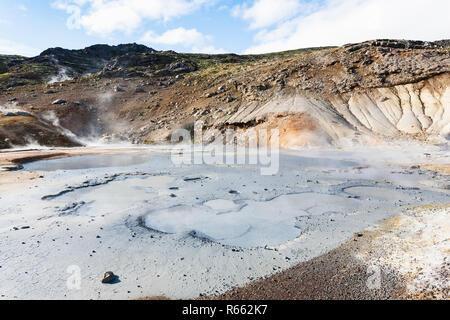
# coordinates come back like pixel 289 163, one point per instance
pixel 165 232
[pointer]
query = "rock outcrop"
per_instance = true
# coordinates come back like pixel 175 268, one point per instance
pixel 417 110
pixel 370 92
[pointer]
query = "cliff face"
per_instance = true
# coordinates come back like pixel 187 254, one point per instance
pixel 370 92
pixel 422 107
pixel 364 93
pixel 417 110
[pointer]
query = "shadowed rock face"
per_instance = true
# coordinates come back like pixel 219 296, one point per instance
pixel 90 59
pixel 74 63
pixel 22 130
pixel 358 93
pixel 99 51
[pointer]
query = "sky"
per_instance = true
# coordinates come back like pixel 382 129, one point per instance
pixel 28 27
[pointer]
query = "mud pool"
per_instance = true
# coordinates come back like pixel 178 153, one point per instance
pixel 88 162
pixel 185 231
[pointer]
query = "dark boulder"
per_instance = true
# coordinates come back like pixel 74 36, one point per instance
pixel 109 277
pixel 59 101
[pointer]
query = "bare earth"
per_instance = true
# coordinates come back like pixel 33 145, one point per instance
pixel 337 275
pixel 405 257
pixel 344 272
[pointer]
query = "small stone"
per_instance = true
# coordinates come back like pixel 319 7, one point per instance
pixel 109 277
pixel 210 94
pixel 23 114
pixel 59 101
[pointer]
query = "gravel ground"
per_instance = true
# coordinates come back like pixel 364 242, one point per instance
pixel 337 275
pixel 45 228
pixel 405 258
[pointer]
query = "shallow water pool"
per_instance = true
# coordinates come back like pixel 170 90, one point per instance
pixel 88 162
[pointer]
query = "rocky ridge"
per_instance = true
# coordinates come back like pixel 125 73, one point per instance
pixel 359 93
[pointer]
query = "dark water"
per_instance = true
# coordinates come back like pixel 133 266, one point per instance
pixel 88 162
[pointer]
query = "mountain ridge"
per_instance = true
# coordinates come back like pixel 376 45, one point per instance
pixel 378 89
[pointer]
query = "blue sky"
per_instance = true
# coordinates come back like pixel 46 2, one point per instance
pixel 28 27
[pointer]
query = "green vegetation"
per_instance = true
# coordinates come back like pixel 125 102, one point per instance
pixel 5 75
pixel 217 66
pixel 148 142
pixel 18 120
pixel 5 60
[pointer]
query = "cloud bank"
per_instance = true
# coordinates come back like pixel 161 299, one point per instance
pixel 103 17
pixel 264 13
pixel 275 25
pixel 189 38
pixel 13 48
pixel 337 22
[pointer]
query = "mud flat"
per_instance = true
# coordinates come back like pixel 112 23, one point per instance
pixel 202 230
pixel 406 257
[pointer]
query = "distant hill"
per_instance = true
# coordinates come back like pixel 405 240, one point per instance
pixel 122 60
pixel 369 92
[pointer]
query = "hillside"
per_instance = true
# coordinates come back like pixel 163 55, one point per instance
pixel 369 92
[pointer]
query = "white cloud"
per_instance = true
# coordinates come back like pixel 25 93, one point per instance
pixel 209 49
pixel 192 39
pixel 337 22
pixel 103 17
pixel 14 48
pixel 264 13
pixel 23 7
pixel 223 8
pixel 179 36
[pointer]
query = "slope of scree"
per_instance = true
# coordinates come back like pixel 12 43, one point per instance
pixel 369 92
